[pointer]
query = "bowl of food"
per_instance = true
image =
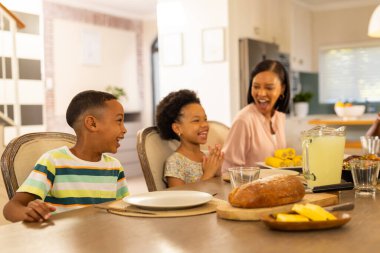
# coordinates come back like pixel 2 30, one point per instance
pixel 349 111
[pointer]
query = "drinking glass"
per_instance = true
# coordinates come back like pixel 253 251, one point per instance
pixel 243 175
pixel 364 175
pixel 370 144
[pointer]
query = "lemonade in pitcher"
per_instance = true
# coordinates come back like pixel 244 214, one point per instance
pixel 322 151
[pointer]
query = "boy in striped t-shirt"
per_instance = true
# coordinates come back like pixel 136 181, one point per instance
pixel 68 178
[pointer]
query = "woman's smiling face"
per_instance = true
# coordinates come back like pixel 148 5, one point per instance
pixel 266 89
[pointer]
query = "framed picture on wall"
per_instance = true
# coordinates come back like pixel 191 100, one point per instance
pixel 213 45
pixel 171 45
pixel 91 48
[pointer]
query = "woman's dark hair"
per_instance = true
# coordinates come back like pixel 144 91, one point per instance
pixel 276 67
pixel 83 101
pixel 169 111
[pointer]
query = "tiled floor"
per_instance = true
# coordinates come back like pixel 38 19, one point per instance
pixel 135 184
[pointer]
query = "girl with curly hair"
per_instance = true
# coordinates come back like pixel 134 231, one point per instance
pixel 180 116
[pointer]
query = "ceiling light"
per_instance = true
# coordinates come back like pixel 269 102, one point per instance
pixel 374 24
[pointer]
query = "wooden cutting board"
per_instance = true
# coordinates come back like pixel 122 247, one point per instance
pixel 226 211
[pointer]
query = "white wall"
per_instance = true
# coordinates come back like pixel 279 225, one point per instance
pixel 210 80
pixel 117 67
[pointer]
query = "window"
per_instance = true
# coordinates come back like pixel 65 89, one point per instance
pixel 350 73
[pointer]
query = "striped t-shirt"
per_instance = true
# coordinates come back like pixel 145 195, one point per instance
pixel 67 182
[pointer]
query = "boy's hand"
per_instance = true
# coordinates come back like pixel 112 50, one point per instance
pixel 38 211
pixel 213 162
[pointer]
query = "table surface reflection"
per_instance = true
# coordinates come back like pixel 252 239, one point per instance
pixel 95 230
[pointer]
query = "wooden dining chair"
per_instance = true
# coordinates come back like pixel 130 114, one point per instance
pixel 21 154
pixel 217 134
pixel 153 151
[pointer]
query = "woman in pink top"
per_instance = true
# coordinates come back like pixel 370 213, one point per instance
pixel 259 128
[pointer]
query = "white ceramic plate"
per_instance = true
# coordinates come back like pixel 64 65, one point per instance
pixel 166 200
pixel 262 164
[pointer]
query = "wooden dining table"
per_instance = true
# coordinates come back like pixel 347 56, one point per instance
pixel 95 230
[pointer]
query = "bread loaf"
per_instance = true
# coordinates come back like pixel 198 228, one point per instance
pixel 267 192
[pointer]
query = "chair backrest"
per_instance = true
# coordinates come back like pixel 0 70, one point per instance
pixel 153 151
pixel 217 134
pixel 21 154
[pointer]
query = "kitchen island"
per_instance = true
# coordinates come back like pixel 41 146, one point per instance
pixel 354 128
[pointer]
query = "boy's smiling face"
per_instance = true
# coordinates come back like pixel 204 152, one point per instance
pixel 110 126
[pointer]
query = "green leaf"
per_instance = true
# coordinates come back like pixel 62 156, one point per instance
pixel 302 97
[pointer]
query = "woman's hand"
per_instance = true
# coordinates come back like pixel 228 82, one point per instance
pixel 213 162
pixel 374 130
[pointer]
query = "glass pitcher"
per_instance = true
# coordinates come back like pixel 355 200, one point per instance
pixel 322 155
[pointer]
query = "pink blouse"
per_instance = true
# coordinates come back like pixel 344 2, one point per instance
pixel 250 139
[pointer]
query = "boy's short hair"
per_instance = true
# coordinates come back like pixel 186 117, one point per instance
pixel 84 101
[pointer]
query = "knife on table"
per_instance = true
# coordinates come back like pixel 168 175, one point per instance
pixel 331 187
pixel 342 206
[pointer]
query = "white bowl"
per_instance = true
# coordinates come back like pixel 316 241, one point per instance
pixel 350 112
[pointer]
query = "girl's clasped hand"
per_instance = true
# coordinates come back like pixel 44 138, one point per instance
pixel 212 162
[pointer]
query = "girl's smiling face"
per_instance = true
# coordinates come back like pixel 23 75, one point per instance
pixel 266 89
pixel 192 125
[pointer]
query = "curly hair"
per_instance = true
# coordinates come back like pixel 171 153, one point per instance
pixel 83 101
pixel 169 109
pixel 276 67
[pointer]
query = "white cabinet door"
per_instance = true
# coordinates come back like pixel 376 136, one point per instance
pixel 301 39
pixel 278 23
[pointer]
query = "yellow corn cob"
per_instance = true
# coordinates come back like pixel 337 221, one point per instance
pixel 313 212
pixel 291 153
pixel 297 160
pixel 275 162
pixel 291 217
pixel 281 153
pixel 289 163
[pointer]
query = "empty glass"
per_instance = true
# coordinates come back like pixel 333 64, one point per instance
pixel 370 144
pixel 243 175
pixel 364 174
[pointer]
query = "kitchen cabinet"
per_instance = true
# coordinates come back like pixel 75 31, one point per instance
pixel 257 10
pixel 301 39
pixel 267 21
pixel 278 23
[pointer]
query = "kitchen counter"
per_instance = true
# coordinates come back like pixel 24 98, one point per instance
pixel 354 128
pixel 332 119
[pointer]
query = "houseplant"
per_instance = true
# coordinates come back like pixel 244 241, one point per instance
pixel 119 93
pixel 301 103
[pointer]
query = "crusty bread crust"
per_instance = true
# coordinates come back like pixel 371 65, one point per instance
pixel 270 191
